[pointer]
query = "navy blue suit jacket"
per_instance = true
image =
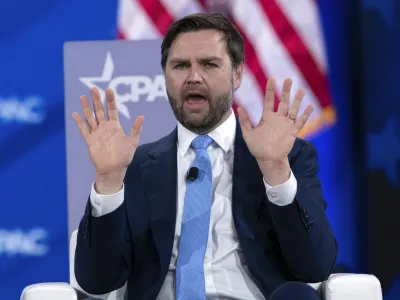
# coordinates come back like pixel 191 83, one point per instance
pixel 134 242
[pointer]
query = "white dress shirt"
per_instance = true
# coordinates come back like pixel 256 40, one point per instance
pixel 225 268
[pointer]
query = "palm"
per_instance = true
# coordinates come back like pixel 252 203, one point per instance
pixel 273 138
pixel 110 150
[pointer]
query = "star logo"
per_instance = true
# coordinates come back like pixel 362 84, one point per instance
pixel 135 86
pixel 384 151
pixel 106 77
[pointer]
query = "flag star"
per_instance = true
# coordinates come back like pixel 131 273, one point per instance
pixel 384 151
pixel 385 9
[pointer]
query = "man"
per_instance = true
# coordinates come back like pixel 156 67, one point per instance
pixel 218 209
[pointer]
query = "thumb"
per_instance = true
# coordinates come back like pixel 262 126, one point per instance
pixel 137 127
pixel 244 119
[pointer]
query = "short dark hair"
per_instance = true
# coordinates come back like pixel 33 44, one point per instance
pixel 204 21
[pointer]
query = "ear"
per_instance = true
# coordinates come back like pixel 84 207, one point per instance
pixel 238 74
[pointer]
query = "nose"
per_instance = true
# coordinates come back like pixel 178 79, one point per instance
pixel 194 75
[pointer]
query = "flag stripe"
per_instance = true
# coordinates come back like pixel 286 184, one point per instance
pixel 252 60
pixel 158 14
pixel 134 23
pixel 250 96
pixel 120 34
pixel 272 54
pixel 255 65
pixel 307 24
pixel 181 7
pixel 203 3
pixel 298 51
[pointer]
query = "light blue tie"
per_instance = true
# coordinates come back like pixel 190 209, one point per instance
pixel 190 283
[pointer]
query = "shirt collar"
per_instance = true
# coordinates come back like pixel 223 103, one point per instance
pixel 223 135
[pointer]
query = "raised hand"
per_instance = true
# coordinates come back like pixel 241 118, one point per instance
pixel 271 141
pixel 110 150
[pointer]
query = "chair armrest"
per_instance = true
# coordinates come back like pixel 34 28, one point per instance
pixel 351 287
pixel 49 291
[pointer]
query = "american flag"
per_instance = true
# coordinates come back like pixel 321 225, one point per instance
pixel 283 38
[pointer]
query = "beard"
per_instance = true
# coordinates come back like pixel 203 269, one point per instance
pixel 219 105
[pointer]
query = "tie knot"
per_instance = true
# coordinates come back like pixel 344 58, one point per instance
pixel 201 142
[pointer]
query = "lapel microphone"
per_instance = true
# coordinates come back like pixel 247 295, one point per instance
pixel 192 174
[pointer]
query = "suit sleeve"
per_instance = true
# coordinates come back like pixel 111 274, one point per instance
pixel 103 257
pixel 302 228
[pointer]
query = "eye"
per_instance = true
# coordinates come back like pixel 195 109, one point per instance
pixel 180 66
pixel 211 65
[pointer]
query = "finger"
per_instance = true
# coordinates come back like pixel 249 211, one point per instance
pixel 98 107
pixel 111 105
pixel 87 112
pixel 294 132
pixel 295 107
pixel 244 119
pixel 302 120
pixel 269 98
pixel 284 101
pixel 136 129
pixel 81 125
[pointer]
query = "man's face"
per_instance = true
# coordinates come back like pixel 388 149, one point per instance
pixel 200 81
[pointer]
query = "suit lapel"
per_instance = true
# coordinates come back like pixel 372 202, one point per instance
pixel 248 195
pixel 248 188
pixel 160 184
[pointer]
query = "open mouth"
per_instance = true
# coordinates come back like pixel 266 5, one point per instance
pixel 195 100
pixel 195 97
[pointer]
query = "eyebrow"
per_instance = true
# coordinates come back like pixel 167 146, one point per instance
pixel 176 60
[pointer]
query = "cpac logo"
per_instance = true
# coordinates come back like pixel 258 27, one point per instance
pixel 150 88
pixel 28 110
pixel 31 243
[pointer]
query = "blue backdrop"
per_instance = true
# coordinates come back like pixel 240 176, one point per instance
pixel 381 119
pixel 33 220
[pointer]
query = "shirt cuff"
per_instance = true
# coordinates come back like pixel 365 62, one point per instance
pixel 284 193
pixel 105 204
